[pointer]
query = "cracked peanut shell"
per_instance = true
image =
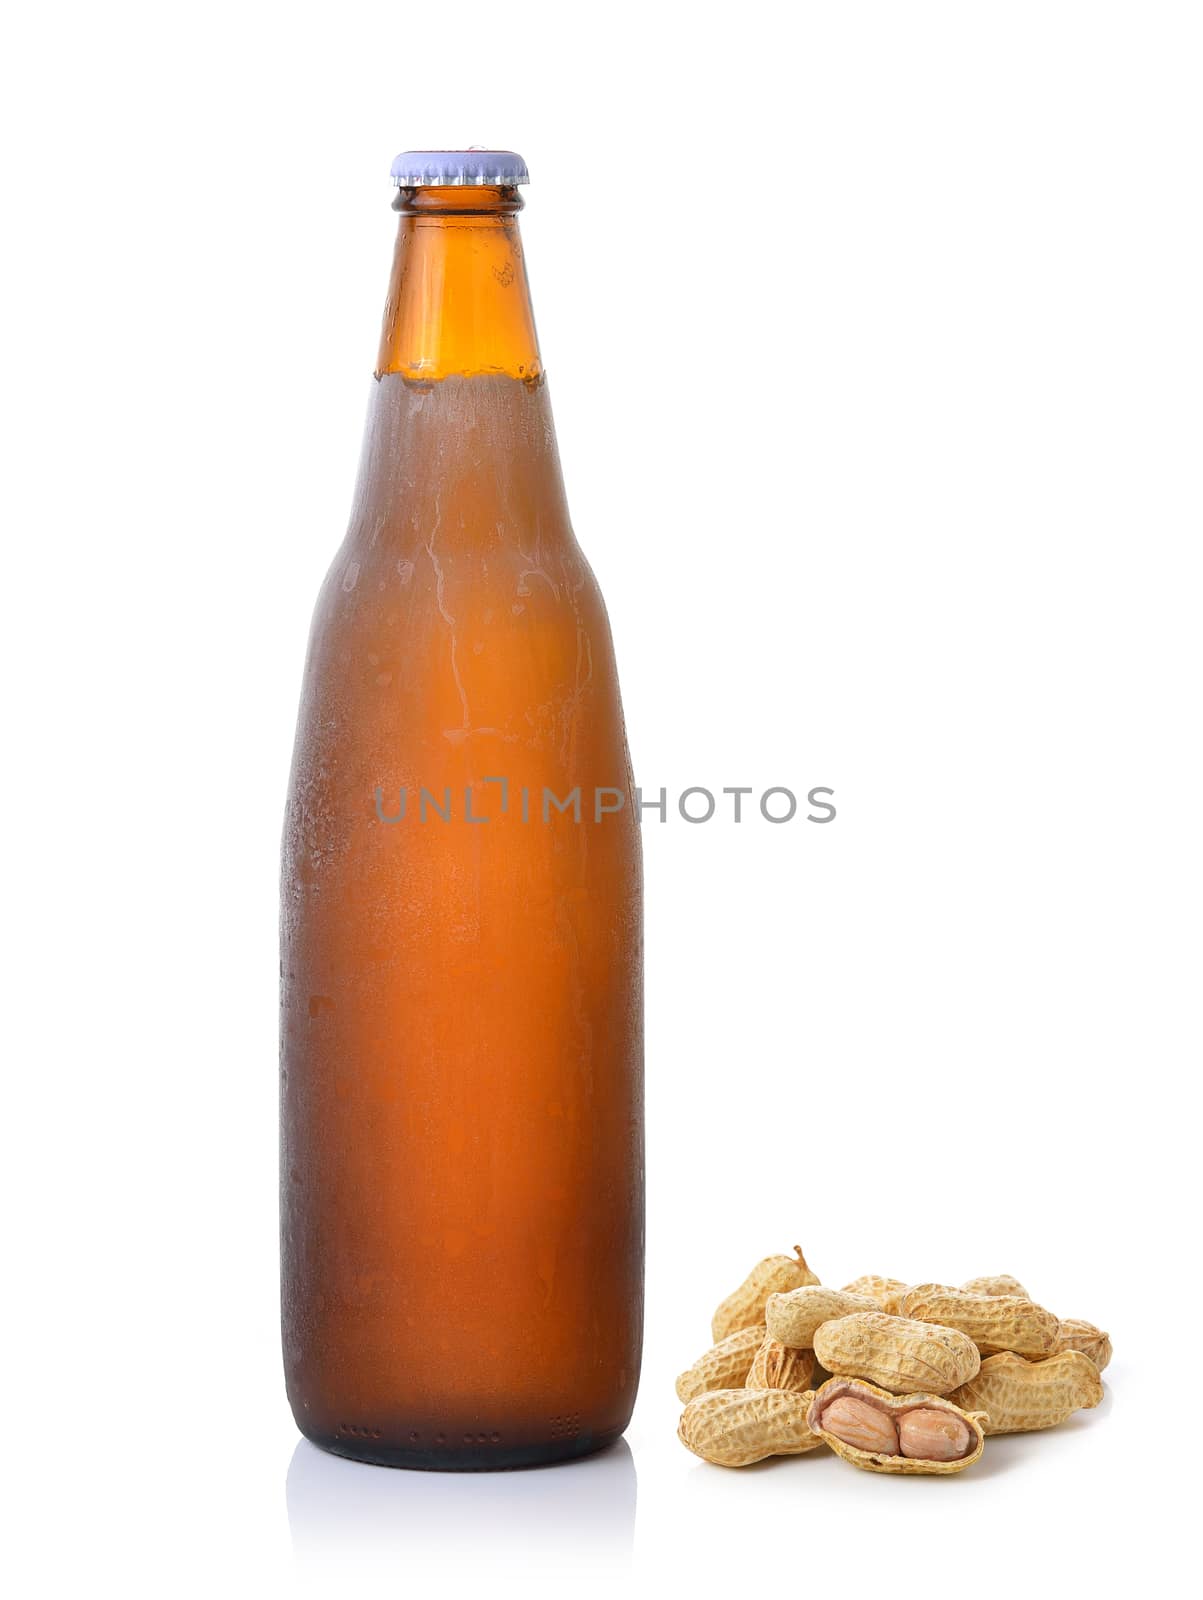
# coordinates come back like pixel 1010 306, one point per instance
pixel 896 1407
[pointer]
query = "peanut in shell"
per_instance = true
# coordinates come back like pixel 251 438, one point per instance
pixel 779 1366
pixel 735 1427
pixel 1074 1334
pixel 724 1366
pixel 994 1322
pixel 1020 1396
pixel 897 1353
pixel 887 1292
pixel 1001 1283
pixel 796 1316
pixel 745 1306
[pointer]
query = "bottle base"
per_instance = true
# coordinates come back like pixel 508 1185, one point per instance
pixel 462 1457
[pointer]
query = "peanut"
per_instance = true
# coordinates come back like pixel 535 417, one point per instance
pixel 897 1353
pixel 895 1379
pixel 887 1292
pixel 994 1322
pixel 880 1432
pixel 1003 1283
pixel 745 1307
pixel 794 1317
pixel 734 1427
pixel 725 1366
pixel 777 1366
pixel 1021 1396
pixel 930 1435
pixel 1074 1334
pixel 858 1423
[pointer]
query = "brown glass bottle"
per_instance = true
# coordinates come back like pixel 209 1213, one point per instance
pixel 461 1037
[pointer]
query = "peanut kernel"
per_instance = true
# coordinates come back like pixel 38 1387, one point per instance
pixel 928 1434
pixel 861 1425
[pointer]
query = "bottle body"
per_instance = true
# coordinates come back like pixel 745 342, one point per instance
pixel 462 1150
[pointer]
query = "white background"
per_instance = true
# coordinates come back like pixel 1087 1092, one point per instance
pixel 874 339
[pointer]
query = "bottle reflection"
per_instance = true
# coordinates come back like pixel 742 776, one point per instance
pixel 576 1512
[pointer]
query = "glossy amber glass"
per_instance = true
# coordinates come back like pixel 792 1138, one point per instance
pixel 461 1080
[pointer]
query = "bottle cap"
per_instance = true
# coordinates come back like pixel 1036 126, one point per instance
pixel 437 169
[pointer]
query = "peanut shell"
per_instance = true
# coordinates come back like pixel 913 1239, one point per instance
pixel 897 1353
pixel 896 1408
pixel 735 1427
pixel 724 1366
pixel 745 1306
pixel 1074 1334
pixel 1021 1396
pixel 993 1321
pixel 888 1292
pixel 779 1366
pixel 1002 1283
pixel 795 1317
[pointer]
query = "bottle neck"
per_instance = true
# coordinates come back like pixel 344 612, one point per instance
pixel 458 302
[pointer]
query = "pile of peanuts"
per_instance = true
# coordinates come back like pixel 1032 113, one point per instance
pixel 894 1378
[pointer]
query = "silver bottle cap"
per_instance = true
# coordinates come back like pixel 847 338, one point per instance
pixel 437 169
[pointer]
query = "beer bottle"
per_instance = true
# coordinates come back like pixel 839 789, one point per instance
pixel 461 920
